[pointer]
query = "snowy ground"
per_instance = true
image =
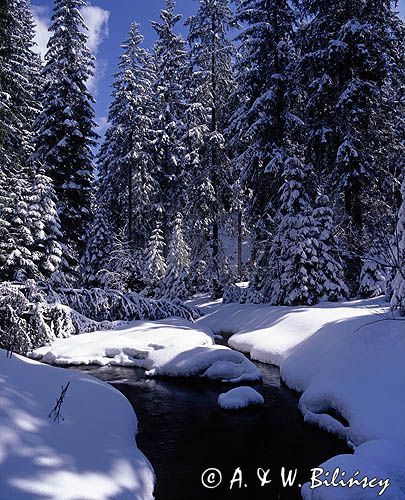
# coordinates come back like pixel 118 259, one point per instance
pixel 90 455
pixel 346 361
pixel 173 347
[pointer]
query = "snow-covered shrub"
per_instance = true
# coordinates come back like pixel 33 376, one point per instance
pixel 113 305
pixel 32 315
pixel 242 295
pixel 25 320
pixel 123 268
pixel 14 324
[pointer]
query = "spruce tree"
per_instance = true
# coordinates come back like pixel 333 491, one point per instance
pixel 293 276
pixel 18 109
pixel 46 248
pixel 372 277
pixel 125 161
pixel 199 194
pixel 99 247
pixel 329 265
pixel 350 51
pixel 212 53
pixel 175 282
pixel 168 89
pixel 265 113
pixel 16 259
pixel 155 263
pixel 64 128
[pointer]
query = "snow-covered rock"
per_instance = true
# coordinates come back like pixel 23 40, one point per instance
pixel 240 397
pixel 91 454
pixel 173 347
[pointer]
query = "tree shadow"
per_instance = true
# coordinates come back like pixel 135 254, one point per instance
pixel 90 454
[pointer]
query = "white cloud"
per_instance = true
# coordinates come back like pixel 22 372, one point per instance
pixel 99 72
pixel 41 17
pixel 102 123
pixel 96 19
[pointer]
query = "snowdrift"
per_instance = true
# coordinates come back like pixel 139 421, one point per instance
pixel 90 454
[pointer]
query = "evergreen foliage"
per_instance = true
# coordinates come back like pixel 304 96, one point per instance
pixel 64 128
pixel 155 266
pixel 175 282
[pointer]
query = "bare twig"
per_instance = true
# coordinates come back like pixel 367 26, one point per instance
pixel 55 412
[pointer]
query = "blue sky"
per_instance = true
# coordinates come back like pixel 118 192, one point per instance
pixel 109 22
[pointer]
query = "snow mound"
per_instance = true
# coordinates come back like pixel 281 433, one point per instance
pixel 173 347
pixel 90 454
pixel 354 467
pixel 240 397
pixel 215 363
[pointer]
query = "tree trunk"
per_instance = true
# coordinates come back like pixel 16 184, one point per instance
pixel 130 207
pixel 354 234
pixel 240 236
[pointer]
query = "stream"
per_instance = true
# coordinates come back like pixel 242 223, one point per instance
pixel 183 432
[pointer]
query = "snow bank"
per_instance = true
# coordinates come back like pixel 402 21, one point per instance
pixel 347 359
pixel 357 467
pixel 240 397
pixel 173 347
pixel 90 455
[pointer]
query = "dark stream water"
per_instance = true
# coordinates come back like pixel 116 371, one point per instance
pixel 183 432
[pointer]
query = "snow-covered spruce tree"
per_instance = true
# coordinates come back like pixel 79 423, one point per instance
pixel 212 53
pixel 18 71
pixel 199 194
pixel 99 247
pixel 329 266
pixel 16 259
pixel 169 100
pixel 64 129
pixel 265 80
pixel 125 161
pixel 175 283
pixel 350 49
pixel 46 248
pixel 155 263
pixel 292 275
pixel 372 276
pixel 18 108
pixel 398 285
